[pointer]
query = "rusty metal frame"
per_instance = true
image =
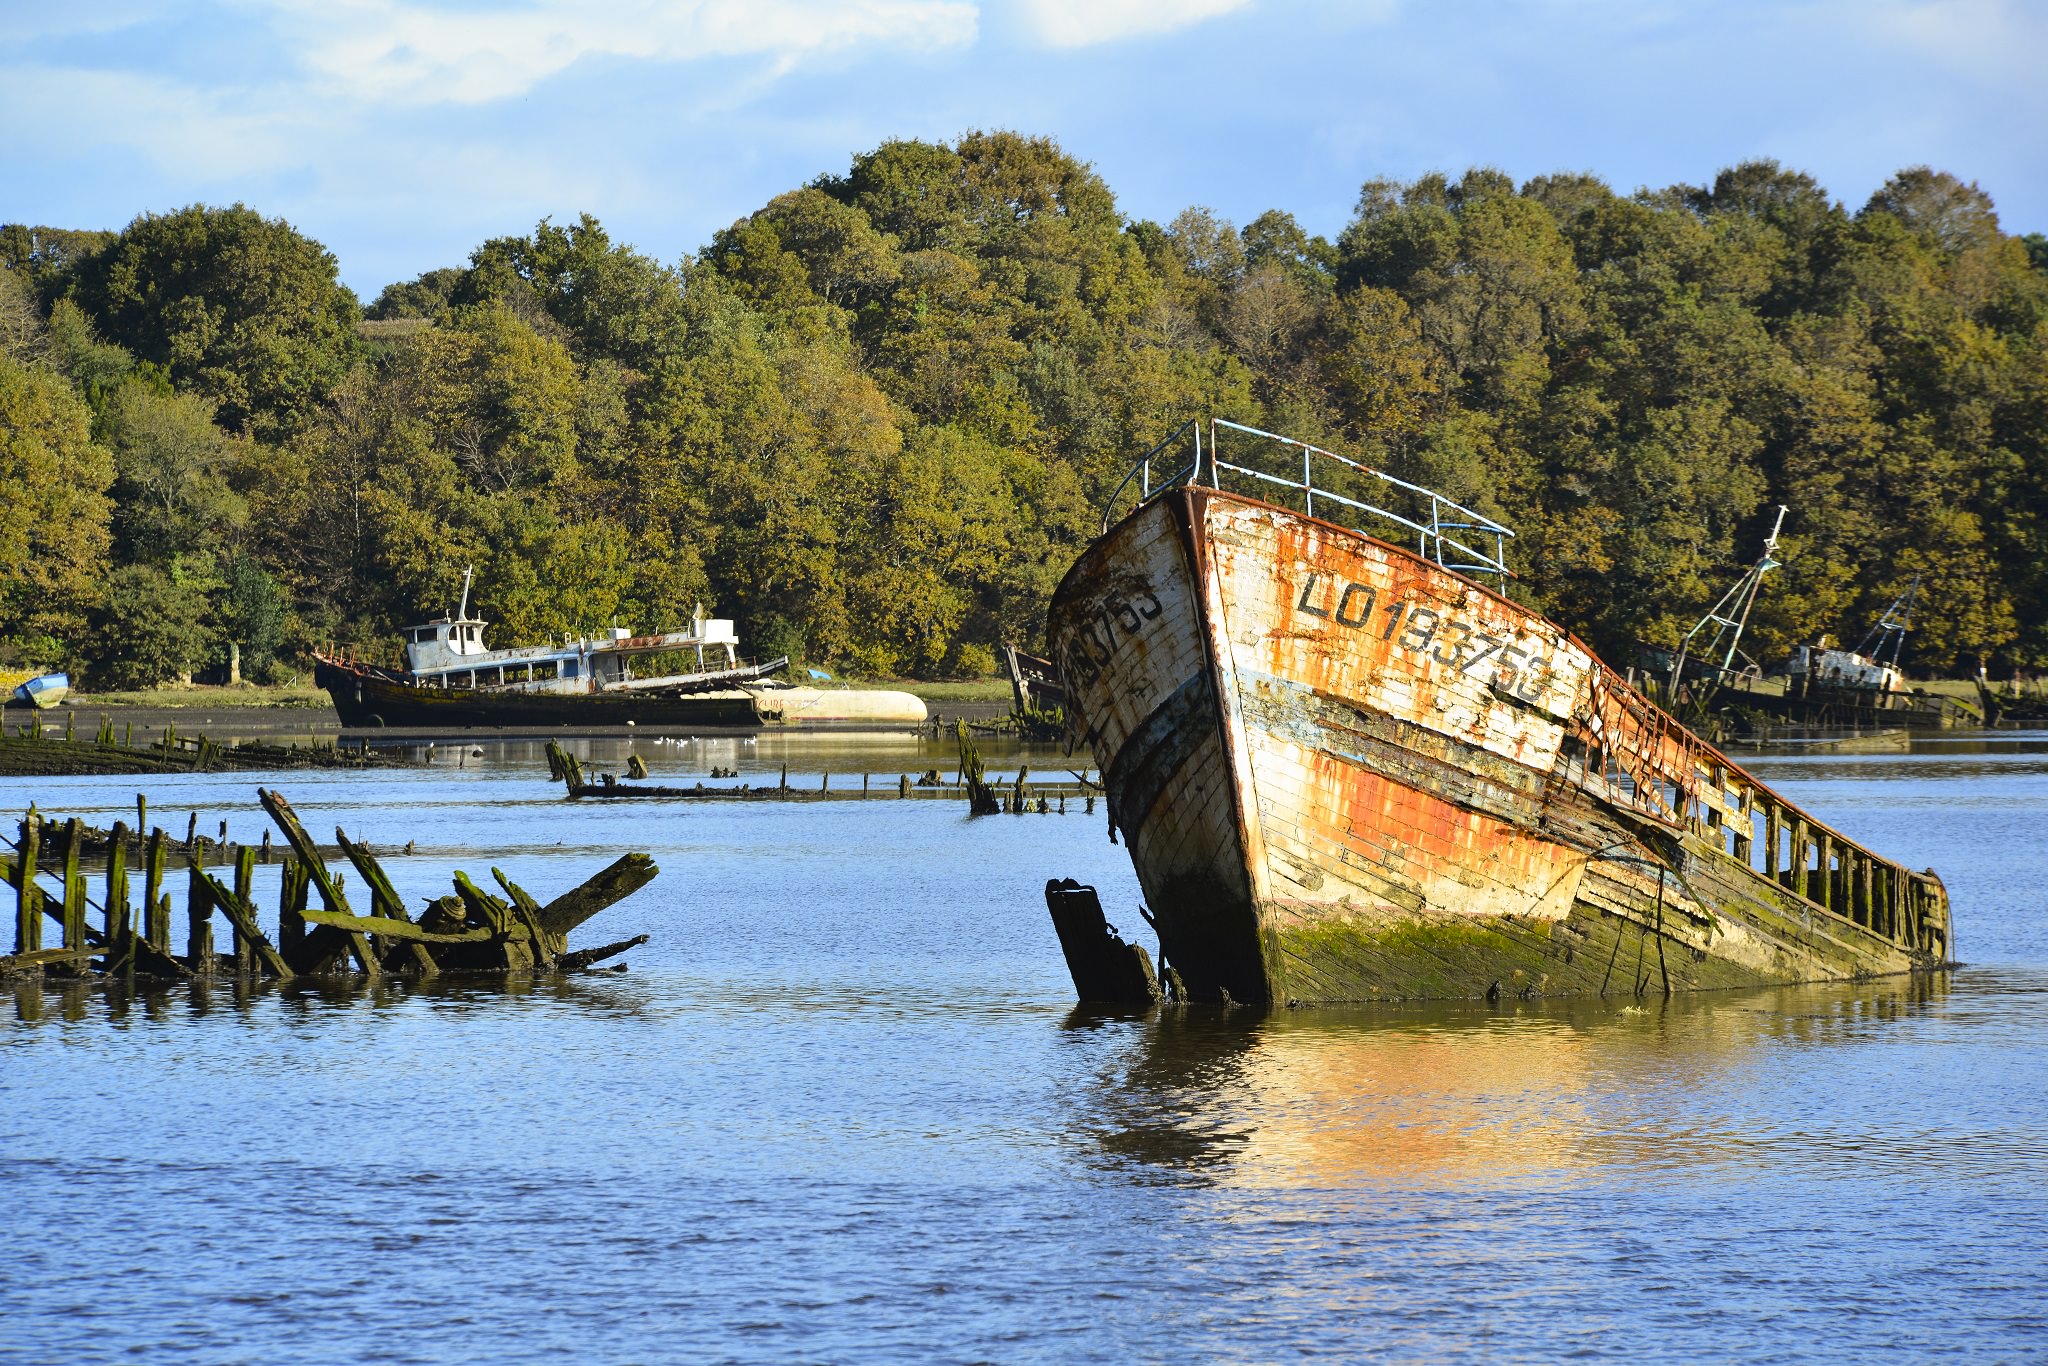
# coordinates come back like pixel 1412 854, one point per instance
pixel 1729 617
pixel 1431 538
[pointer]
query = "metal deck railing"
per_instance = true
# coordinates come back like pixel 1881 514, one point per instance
pixel 1440 526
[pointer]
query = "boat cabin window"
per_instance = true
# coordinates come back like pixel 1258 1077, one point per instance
pixel 568 668
pixel 544 670
pixel 462 680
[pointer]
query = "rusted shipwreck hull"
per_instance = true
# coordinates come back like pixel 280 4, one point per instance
pixel 1345 771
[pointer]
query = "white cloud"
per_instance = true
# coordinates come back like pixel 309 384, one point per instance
pixel 1972 37
pixel 405 51
pixel 174 128
pixel 1082 23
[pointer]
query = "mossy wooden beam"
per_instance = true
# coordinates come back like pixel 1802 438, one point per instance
pixel 400 929
pixel 547 947
pixel 287 821
pixel 233 904
pixel 583 958
pixel 385 903
pixel 486 909
pixel 43 958
pixel 624 877
pixel 513 947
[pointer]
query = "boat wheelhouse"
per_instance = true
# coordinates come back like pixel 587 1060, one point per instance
pixel 449 653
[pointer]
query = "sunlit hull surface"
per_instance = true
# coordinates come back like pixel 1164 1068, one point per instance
pixel 1346 773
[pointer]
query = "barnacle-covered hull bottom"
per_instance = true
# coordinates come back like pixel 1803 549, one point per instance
pixel 1346 773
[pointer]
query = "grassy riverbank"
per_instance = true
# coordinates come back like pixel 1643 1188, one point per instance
pixel 200 696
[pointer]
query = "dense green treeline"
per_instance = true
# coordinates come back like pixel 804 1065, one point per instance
pixel 875 420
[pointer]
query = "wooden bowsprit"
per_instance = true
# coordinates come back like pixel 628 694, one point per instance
pixel 469 931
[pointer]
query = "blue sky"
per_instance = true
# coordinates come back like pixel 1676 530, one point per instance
pixel 402 133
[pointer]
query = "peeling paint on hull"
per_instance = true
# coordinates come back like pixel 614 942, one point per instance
pixel 1346 773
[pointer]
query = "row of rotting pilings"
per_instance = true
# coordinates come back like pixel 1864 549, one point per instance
pixel 469 930
pixel 32 750
pixel 984 795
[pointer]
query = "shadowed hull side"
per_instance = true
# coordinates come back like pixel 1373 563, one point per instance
pixel 1345 773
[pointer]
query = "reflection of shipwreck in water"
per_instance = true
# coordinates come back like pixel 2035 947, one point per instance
pixel 1348 770
pixel 1320 1099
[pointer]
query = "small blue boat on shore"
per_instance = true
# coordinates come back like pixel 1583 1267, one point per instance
pixel 42 691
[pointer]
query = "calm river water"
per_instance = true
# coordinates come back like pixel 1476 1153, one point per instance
pixel 840 1109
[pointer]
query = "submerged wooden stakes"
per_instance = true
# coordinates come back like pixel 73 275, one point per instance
pixel 1106 970
pixel 469 931
pixel 983 794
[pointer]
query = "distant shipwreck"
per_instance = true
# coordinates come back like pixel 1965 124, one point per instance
pixel 452 680
pixel 1350 770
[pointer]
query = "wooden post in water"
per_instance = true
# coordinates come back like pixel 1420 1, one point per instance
pixel 156 903
pixel 252 951
pixel 291 900
pixel 1105 969
pixel 74 887
pixel 28 898
pixel 245 880
pixel 199 922
pixel 120 926
pixel 1820 887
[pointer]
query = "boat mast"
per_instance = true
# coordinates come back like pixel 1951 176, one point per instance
pixel 1891 628
pixel 1729 618
pixel 462 612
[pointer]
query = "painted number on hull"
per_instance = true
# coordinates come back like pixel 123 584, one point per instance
pixel 1450 641
pixel 1094 639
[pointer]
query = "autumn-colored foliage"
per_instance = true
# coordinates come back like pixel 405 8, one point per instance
pixel 874 420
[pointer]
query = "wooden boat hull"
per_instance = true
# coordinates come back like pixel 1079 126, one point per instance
pixel 41 691
pixel 1346 773
pixel 370 698
pixel 366 697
